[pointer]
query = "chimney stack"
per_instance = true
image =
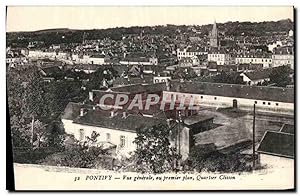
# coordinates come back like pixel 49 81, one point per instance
pixel 124 115
pixel 91 96
pixel 168 84
pixel 81 111
pixel 112 113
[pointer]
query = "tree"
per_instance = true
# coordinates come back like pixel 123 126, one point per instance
pixel 38 131
pixel 80 155
pixel 228 78
pixel 184 73
pixel 25 101
pixel 280 76
pixel 97 77
pixel 208 158
pixel 59 93
pixel 154 153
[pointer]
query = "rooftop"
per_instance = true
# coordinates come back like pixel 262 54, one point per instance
pixel 131 123
pixel 278 144
pixel 260 74
pixel 236 91
pixel 287 128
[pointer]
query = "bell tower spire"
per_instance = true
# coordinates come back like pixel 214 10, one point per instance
pixel 214 36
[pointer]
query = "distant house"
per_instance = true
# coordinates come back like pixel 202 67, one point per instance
pixel 190 52
pixel 15 58
pixel 140 60
pixel 221 57
pixel 185 62
pixel 276 149
pixel 256 77
pixel 283 56
pixel 51 73
pixel 159 79
pixel 255 59
pixel 98 59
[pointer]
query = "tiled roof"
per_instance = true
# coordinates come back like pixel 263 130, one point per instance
pixel 278 144
pixel 131 123
pixel 287 128
pixel 257 75
pixel 218 89
pixel 236 91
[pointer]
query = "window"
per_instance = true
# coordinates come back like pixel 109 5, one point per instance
pixel 201 97
pixel 255 102
pixel 81 134
pixel 277 104
pixel 108 137
pixel 269 103
pixel 215 98
pixel 264 103
pixel 122 141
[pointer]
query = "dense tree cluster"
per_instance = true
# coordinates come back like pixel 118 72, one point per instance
pixel 154 153
pixel 68 36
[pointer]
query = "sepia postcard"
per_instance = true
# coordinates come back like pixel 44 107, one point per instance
pixel 153 98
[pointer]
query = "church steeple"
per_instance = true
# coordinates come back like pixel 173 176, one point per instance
pixel 214 36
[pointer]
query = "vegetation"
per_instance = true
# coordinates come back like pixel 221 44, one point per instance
pixel 79 154
pixel 228 78
pixel 35 108
pixel 280 76
pixel 68 36
pixel 207 158
pixel 154 153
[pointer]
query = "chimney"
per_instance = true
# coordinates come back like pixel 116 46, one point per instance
pixel 91 96
pixel 169 122
pixel 112 113
pixel 124 115
pixel 168 84
pixel 81 111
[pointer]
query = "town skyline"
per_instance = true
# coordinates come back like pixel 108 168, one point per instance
pixel 114 16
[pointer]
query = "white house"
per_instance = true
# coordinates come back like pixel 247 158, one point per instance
pixel 159 79
pixel 221 58
pixel 272 46
pixel 291 33
pixel 190 52
pixel 283 56
pixel 256 77
pixel 97 59
pixel 139 61
pixel 266 61
pixel 118 129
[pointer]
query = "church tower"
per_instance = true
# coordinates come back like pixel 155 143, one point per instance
pixel 214 36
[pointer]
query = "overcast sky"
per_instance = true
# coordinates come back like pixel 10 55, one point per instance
pixel 36 18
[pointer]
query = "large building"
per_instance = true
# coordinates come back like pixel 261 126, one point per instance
pixel 283 56
pixel 118 126
pixel 190 52
pixel 221 57
pixel 254 59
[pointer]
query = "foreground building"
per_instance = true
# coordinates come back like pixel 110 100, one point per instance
pixel 118 125
pixel 276 149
